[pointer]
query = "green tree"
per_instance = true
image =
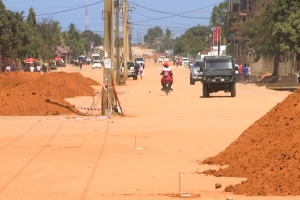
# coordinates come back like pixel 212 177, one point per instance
pixel 31 19
pixel 90 38
pixel 219 17
pixel 168 40
pixel 73 39
pixel 48 38
pixel 193 40
pixel 87 36
pixel 276 31
pixel 4 30
pixel 152 35
pixel 18 36
pixel 31 47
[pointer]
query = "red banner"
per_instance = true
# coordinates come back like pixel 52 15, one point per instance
pixel 216 33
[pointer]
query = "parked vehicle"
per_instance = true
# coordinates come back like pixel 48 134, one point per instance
pixel 53 65
pixel 131 70
pixel 196 71
pixel 96 64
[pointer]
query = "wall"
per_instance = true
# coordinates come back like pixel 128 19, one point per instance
pixel 4 61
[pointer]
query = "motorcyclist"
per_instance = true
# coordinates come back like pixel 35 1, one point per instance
pixel 166 72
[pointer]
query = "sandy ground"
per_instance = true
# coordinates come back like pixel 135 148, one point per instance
pixel 152 153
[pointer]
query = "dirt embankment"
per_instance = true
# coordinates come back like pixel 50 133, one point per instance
pixel 267 153
pixel 28 94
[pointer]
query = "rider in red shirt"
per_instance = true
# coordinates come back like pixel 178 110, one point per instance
pixel 166 73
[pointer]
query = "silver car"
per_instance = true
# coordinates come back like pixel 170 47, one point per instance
pixel 131 70
pixel 195 72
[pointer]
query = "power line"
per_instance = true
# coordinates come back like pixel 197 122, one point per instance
pixel 155 19
pixel 71 9
pixel 20 2
pixel 156 25
pixel 172 15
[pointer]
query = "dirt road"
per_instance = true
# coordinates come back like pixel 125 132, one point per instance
pixel 139 156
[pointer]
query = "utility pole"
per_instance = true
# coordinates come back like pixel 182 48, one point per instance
pixel 107 90
pixel 129 42
pixel 125 40
pixel 117 44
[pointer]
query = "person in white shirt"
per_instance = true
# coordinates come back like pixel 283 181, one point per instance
pixel 7 69
pixel 31 68
pixel 38 68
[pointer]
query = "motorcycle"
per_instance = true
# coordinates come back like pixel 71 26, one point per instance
pixel 166 86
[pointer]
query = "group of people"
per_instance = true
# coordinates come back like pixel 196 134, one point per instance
pixel 9 68
pixel 244 72
pixel 177 61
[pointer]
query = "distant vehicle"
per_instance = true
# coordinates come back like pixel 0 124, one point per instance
pixel 218 75
pixel 96 64
pixel 185 62
pixel 131 70
pixel 196 71
pixel 53 65
pixel 139 61
pixel 96 56
pixel 161 59
pixel 83 59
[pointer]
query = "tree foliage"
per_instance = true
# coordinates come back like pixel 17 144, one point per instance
pixel 90 40
pixel 48 38
pixel 73 39
pixel 193 40
pixel 219 17
pixel 275 31
pixel 24 36
pixel 152 35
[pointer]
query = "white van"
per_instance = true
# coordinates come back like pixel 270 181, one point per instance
pixel 95 56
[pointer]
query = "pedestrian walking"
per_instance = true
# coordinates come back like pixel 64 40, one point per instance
pixel 245 73
pixel 141 70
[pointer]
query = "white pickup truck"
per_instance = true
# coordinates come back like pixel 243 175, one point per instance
pixel 163 59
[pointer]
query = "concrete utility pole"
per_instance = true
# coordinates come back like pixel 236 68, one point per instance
pixel 129 43
pixel 117 44
pixel 107 90
pixel 125 39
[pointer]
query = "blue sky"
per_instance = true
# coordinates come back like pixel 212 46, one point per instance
pixel 145 14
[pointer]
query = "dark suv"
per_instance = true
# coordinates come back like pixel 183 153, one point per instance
pixel 218 75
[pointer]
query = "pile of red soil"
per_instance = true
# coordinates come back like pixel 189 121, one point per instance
pixel 267 153
pixel 31 94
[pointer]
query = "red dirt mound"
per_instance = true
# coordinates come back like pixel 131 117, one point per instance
pixel 29 94
pixel 267 153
